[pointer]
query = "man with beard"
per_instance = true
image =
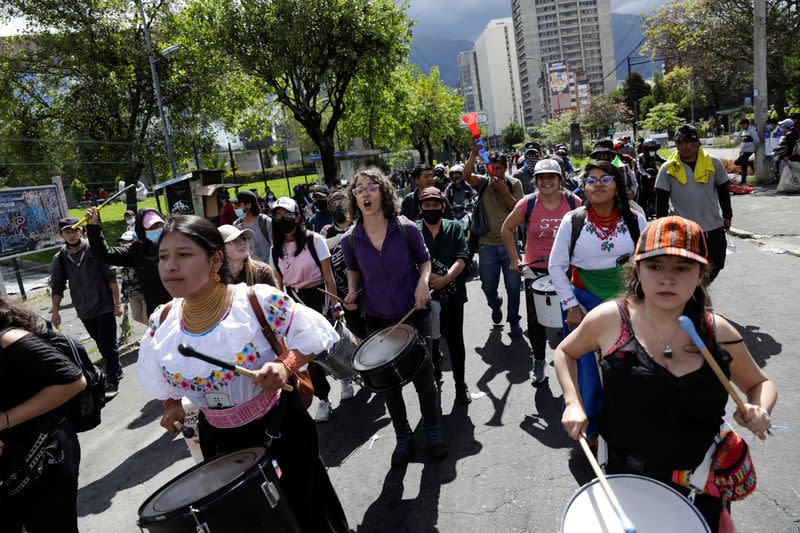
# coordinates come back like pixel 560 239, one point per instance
pixel 533 152
pixel 95 294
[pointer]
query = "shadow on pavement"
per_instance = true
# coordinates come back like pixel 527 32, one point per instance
pixel 352 425
pixel 545 425
pixel 129 358
pixel 514 360
pixel 149 412
pixel 135 470
pixel 579 465
pixel 390 512
pixel 761 345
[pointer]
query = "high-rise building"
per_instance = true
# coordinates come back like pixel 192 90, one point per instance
pixel 468 82
pixel 575 33
pixel 498 75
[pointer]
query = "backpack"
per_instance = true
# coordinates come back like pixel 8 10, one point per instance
pixel 83 410
pixel 262 225
pixel 579 219
pixel 532 202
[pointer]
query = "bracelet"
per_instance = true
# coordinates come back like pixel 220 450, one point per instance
pixel 335 308
pixel 291 362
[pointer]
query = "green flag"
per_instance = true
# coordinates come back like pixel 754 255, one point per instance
pixel 617 162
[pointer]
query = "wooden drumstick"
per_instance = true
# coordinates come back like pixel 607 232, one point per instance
pixel 687 326
pixel 627 525
pixel 188 351
pixel 101 206
pixel 320 289
pixel 398 324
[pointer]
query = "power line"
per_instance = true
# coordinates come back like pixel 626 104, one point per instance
pixel 630 29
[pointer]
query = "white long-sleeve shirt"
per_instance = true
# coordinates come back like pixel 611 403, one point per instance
pixel 591 253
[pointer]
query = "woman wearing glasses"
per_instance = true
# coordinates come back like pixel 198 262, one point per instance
pixel 386 256
pixel 605 234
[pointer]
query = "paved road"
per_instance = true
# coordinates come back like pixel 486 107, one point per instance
pixel 510 467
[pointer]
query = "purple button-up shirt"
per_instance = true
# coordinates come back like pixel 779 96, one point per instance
pixel 389 277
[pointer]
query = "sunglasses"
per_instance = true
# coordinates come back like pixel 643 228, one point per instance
pixel 373 188
pixel 605 180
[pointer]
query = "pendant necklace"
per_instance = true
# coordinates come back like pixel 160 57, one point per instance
pixel 668 351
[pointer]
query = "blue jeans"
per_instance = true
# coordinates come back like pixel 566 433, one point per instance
pixel 494 259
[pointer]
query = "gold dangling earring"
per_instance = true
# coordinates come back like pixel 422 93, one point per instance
pixel 216 277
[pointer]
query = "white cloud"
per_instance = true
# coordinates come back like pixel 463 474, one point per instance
pixel 11 27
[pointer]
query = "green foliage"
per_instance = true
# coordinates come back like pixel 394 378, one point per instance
pixel 557 130
pixel 602 112
pixel 663 117
pixel 434 113
pixel 635 89
pixel 78 189
pixel 513 134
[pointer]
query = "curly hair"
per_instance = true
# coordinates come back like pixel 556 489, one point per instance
pixel 388 196
pixel 14 315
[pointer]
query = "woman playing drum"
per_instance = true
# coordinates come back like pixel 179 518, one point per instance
pixel 602 240
pixel 387 254
pixel 662 403
pixel 219 319
pixel 550 203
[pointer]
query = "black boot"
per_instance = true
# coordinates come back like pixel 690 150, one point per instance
pixel 437 358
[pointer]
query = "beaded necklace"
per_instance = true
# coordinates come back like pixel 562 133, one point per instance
pixel 604 225
pixel 199 316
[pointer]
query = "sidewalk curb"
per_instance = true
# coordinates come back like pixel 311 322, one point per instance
pixel 743 234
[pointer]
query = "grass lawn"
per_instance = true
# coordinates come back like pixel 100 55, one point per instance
pixel 114 223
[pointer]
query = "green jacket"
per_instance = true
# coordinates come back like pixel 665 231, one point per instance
pixel 448 246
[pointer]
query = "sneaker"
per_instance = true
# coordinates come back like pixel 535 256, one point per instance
pixel 403 449
pixel 516 331
pixel 323 411
pixel 462 394
pixel 112 389
pixel 497 312
pixel 538 371
pixel 347 389
pixel 435 441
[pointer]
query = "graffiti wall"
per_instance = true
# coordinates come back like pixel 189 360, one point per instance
pixel 29 219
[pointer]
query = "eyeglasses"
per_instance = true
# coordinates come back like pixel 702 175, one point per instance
pixel 605 180
pixel 372 188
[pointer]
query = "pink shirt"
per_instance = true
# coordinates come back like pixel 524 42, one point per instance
pixel 542 227
pixel 301 270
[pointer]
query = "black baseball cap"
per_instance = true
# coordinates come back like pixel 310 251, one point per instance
pixel 247 197
pixel 687 132
pixel 65 223
pixel 603 145
pixel 533 145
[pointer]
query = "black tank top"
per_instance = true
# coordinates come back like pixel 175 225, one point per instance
pixel 652 418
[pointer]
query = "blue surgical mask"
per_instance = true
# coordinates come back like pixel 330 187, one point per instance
pixel 153 234
pixel 239 213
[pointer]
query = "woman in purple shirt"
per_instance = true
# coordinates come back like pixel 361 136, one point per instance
pixel 392 265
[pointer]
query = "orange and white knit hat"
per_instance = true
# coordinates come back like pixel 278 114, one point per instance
pixel 672 236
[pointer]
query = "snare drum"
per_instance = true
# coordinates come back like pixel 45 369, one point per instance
pixel 548 307
pixel 391 362
pixel 652 506
pixel 234 493
pixel 339 362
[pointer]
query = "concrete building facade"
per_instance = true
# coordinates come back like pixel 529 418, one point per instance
pixel 498 75
pixel 468 82
pixel 575 32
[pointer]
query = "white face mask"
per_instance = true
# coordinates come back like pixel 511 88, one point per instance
pixel 130 221
pixel 652 154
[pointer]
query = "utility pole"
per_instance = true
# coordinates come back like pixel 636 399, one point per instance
pixel 760 83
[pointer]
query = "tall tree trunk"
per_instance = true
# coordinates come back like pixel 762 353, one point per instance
pixel 419 146
pixel 326 152
pixel 132 176
pixel 430 150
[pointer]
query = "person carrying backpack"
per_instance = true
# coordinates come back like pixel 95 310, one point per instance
pixel 302 267
pixel 39 453
pixel 541 213
pixel 251 217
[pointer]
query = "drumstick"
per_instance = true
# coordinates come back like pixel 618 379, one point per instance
pixel 101 206
pixel 188 351
pixel 185 430
pixel 627 525
pixel 320 289
pixel 398 324
pixel 687 326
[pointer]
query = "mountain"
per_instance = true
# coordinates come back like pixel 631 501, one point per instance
pixel 427 51
pixel 627 36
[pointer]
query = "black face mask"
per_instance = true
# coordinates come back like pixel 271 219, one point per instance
pixel 338 215
pixel 432 217
pixel 286 225
pixel 322 205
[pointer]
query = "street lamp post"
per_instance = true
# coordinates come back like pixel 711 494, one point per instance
pixel 157 87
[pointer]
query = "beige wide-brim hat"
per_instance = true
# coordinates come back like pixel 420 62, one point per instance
pixel 231 233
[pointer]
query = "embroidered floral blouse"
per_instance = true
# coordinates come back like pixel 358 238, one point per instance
pixel 164 373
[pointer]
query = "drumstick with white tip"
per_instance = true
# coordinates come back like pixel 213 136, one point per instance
pixel 627 525
pixel 687 326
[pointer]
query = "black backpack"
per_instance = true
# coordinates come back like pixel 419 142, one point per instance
pixel 83 410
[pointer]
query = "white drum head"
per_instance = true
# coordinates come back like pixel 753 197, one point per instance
pixel 376 350
pixel 205 479
pixel 543 285
pixel 652 506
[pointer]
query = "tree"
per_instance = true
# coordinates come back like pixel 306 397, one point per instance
pixel 434 112
pixel 513 134
pixel 307 52
pixel 663 117
pixel 635 89
pixel 557 130
pixel 602 113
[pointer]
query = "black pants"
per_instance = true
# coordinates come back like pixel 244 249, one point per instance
pixel 744 161
pixel 49 504
pixel 316 300
pixel 717 248
pixel 451 323
pixel 103 329
pixel 536 332
pixel 423 380
pixel 305 481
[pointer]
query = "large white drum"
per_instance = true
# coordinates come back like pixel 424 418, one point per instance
pixel 652 506
pixel 548 308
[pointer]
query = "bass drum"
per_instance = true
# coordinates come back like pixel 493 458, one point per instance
pixel 234 493
pixel 652 506
pixel 388 362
